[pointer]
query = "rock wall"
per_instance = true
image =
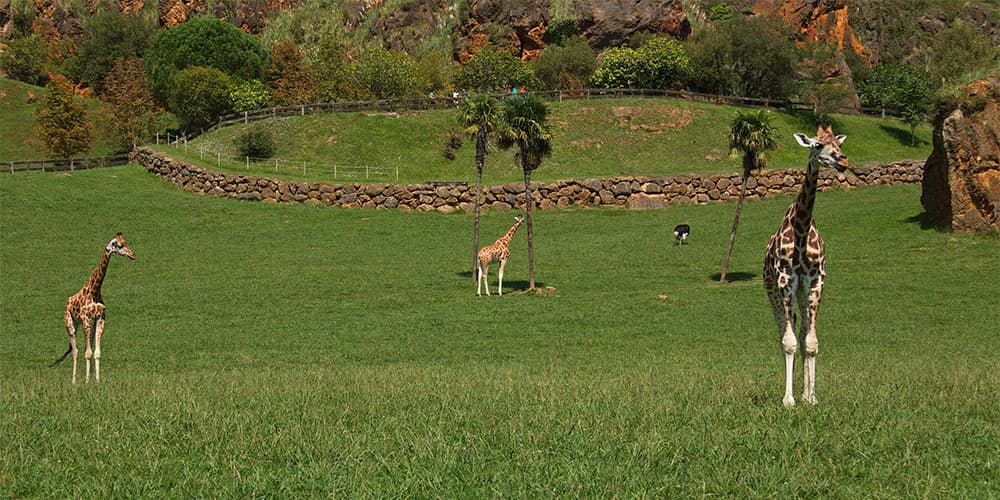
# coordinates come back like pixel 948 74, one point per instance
pixel 961 186
pixel 634 192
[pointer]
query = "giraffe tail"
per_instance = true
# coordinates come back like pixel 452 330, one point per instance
pixel 61 358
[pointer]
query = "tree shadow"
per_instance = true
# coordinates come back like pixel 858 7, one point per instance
pixel 903 136
pixel 734 277
pixel 923 219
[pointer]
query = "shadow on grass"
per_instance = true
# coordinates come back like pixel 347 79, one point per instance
pixel 734 277
pixel 903 136
pixel 923 219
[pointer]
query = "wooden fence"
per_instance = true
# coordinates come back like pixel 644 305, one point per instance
pixel 64 164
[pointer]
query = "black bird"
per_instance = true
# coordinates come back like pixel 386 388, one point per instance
pixel 681 232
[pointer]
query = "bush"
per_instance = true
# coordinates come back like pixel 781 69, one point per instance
pixel 491 70
pixel 255 143
pixel 25 60
pixel 109 36
pixel 248 96
pixel 61 123
pixel 657 64
pixel 199 95
pixel 566 66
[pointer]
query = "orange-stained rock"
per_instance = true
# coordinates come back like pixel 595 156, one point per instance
pixel 961 186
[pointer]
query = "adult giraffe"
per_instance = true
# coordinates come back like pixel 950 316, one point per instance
pixel 795 264
pixel 86 308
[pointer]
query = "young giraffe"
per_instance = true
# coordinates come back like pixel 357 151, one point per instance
pixel 794 265
pixel 86 307
pixel 498 251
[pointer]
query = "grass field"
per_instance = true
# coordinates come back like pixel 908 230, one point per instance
pixel 597 138
pixel 257 350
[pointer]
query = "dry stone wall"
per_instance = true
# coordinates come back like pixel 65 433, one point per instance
pixel 634 192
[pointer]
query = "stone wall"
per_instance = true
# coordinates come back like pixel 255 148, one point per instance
pixel 635 192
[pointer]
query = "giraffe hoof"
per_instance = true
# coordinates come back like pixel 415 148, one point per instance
pixel 788 402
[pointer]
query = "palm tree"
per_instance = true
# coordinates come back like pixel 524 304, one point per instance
pixel 523 125
pixel 479 116
pixel 751 134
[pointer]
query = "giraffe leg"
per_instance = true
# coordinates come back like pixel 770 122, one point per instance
pixel 97 348
pixel 484 269
pixel 71 331
pixel 88 329
pixel 503 264
pixel 811 347
pixel 781 303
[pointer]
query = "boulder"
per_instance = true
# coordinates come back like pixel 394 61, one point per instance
pixel 961 184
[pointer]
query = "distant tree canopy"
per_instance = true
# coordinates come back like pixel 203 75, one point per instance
pixel 752 57
pixel 658 64
pixel 492 70
pixel 108 37
pixel 289 79
pixel 381 74
pixel 568 65
pixel 133 113
pixel 206 42
pixel 61 123
pixel 25 60
pixel 961 49
pixel 200 95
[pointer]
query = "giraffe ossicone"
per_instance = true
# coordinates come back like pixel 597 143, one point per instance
pixel 795 265
pixel 499 251
pixel 86 308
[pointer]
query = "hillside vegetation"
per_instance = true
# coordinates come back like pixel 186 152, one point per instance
pixel 594 138
pixel 293 351
pixel 17 118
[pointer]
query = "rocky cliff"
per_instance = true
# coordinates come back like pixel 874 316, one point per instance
pixel 961 185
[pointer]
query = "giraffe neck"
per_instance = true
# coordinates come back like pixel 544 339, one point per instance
pixel 97 277
pixel 509 235
pixel 804 201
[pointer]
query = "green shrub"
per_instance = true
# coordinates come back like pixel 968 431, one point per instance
pixel 248 96
pixel 199 95
pixel 255 143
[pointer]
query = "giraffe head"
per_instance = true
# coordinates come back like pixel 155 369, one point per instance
pixel 518 219
pixel 117 245
pixel 824 149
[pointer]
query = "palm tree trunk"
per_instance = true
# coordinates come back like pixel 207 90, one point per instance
pixel 736 224
pixel 528 204
pixel 480 159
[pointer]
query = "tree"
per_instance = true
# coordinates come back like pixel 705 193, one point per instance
pixel 381 74
pixel 25 60
pixel 566 66
pixel 491 70
pixel 61 120
pixel 656 64
pixel 523 125
pixel 290 80
pixel 109 36
pixel 133 112
pixel 751 134
pixel 479 116
pixel 907 89
pixel 823 84
pixel 206 42
pixel 744 57
pixel 199 96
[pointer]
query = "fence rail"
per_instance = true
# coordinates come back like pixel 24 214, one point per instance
pixel 63 164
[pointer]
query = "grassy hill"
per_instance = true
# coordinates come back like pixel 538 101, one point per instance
pixel 17 118
pixel 256 350
pixel 595 138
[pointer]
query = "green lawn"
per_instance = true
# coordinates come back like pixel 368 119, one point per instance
pixel 262 350
pixel 597 138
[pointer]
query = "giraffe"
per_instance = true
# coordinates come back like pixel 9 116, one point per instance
pixel 498 251
pixel 86 308
pixel 795 264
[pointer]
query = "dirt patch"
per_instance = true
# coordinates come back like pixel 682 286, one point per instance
pixel 656 118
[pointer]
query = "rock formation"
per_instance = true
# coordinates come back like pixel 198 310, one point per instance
pixel 961 186
pixel 816 20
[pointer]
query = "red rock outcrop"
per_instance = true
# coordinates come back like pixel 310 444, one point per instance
pixel 816 20
pixel 961 185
